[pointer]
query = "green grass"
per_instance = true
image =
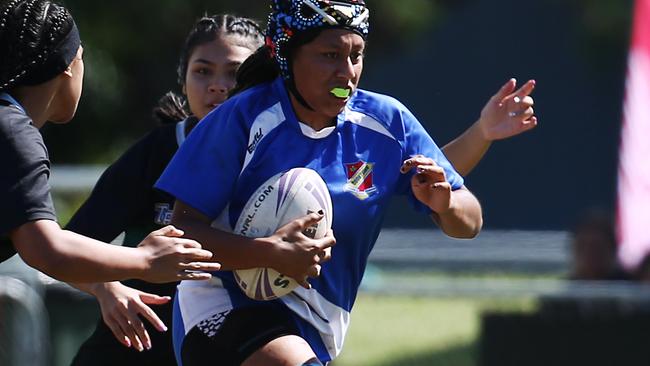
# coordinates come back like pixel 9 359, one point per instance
pixel 388 331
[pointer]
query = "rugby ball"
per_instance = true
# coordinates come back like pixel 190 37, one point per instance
pixel 280 200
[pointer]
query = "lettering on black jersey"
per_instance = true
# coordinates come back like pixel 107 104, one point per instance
pixel 163 214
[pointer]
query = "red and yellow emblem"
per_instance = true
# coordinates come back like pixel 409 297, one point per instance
pixel 360 179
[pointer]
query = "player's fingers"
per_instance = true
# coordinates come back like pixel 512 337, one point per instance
pixel 152 317
pixel 529 124
pixel 138 326
pixel 325 255
pixel 193 276
pixel 441 186
pixel 430 174
pixel 505 90
pixel 168 230
pixel 526 89
pixel 117 331
pixel 527 114
pixel 127 329
pixel 324 243
pixel 309 220
pixel 314 271
pixel 414 162
pixel 303 282
pixel 152 299
pixel 200 266
pixel 526 102
pixel 188 243
pixel 195 255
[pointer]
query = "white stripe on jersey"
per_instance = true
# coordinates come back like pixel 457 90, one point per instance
pixel 264 123
pixel 366 121
pixel 213 300
pixel 331 321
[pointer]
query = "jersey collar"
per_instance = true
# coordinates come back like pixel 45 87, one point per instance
pixel 9 99
pixel 290 114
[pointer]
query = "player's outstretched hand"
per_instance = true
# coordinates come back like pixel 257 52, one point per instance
pixel 123 309
pixel 429 184
pixel 299 256
pixel 170 257
pixel 508 112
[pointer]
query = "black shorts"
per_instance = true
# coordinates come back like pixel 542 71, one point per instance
pixel 240 333
pixel 102 349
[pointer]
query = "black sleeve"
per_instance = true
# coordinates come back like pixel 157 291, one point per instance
pixel 24 188
pixel 121 198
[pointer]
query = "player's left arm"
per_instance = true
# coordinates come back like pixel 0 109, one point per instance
pixel 506 114
pixel 457 212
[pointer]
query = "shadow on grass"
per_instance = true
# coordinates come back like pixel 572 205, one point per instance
pixel 464 354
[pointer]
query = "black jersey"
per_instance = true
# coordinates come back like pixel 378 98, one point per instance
pixel 24 188
pixel 124 200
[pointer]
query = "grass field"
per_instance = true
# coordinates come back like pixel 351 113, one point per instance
pixel 392 331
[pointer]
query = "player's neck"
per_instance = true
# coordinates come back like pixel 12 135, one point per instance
pixel 317 121
pixel 36 100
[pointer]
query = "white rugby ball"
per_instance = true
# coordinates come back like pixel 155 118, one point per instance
pixel 281 199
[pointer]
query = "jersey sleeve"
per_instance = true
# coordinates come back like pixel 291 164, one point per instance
pixel 121 196
pixel 24 187
pixel 418 142
pixel 204 171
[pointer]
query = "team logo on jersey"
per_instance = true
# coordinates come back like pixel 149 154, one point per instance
pixel 360 179
pixel 163 214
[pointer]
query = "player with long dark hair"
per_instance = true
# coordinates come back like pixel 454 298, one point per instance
pixel 123 200
pixel 41 73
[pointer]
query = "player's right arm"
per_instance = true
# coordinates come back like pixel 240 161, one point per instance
pixel 288 250
pixel 163 256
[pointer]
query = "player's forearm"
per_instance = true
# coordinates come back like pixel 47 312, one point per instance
pixel 467 150
pixel 232 251
pixel 464 219
pixel 70 257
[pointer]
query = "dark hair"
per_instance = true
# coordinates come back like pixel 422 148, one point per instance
pixel 30 30
pixel 173 107
pixel 262 67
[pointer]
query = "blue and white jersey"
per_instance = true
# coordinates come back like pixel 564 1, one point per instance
pixel 255 135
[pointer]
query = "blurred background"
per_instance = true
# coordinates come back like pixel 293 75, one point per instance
pixel 427 299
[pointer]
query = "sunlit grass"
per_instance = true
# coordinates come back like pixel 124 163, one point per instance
pixel 388 331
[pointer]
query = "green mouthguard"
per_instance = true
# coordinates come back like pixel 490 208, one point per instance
pixel 340 92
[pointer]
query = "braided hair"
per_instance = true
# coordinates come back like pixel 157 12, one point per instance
pixel 173 107
pixel 30 32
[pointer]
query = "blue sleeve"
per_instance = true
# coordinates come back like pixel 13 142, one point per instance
pixel 418 142
pixel 204 171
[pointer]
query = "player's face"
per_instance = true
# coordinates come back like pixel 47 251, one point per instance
pixel 65 102
pixel 211 72
pixel 333 60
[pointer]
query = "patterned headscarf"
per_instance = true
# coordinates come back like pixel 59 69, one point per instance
pixel 290 17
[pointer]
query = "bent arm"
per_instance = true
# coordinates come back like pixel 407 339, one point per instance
pixel 288 250
pixel 464 218
pixel 71 257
